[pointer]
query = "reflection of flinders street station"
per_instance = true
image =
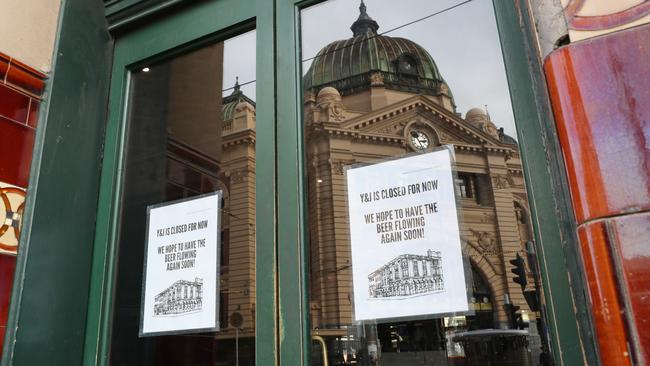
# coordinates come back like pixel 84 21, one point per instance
pixel 370 98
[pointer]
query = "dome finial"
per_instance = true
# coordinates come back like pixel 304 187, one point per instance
pixel 236 88
pixel 364 24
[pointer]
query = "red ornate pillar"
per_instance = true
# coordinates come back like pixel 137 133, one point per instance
pixel 600 94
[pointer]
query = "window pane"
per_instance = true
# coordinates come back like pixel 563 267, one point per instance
pixel 191 131
pixel 383 85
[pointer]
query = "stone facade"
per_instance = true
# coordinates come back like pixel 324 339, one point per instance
pixel 233 172
pixel 367 129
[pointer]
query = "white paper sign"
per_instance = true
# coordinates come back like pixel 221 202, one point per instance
pixel 181 284
pixel 406 250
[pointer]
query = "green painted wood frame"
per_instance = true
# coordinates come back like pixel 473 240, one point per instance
pixel 293 289
pixel 50 292
pixel 568 316
pixel 571 339
pixel 122 12
pixel 188 28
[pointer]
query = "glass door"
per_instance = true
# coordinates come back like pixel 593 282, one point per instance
pixel 273 106
pixel 409 258
pixel 383 96
pixel 177 282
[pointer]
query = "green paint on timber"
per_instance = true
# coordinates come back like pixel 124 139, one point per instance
pixel 189 28
pixel 570 327
pixel 65 181
pixel 293 292
pixel 124 13
pixel 50 296
pixel 266 331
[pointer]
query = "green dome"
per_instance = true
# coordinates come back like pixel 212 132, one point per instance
pixel 347 65
pixel 229 103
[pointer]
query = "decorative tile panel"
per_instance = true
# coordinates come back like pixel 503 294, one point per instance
pixel 600 96
pixel 12 206
pixel 21 89
pixel 590 18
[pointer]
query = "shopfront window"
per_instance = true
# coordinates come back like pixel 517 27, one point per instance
pixel 190 133
pixel 411 104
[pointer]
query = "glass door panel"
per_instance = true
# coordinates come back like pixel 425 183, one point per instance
pixel 191 130
pixel 382 86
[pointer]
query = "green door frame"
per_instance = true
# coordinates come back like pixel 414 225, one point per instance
pixel 49 298
pixel 189 28
pixel 69 151
pixel 568 316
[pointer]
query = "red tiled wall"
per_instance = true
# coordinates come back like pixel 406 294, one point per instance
pixel 600 94
pixel 20 91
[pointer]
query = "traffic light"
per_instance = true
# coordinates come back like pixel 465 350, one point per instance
pixel 519 271
pixel 531 299
pixel 515 317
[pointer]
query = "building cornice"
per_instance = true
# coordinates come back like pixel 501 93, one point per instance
pixel 240 137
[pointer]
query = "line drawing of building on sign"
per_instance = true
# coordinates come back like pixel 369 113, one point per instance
pixel 407 275
pixel 182 297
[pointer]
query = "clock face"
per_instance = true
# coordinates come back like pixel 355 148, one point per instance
pixel 406 66
pixel 419 140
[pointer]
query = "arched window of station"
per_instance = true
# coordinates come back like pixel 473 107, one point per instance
pixel 482 302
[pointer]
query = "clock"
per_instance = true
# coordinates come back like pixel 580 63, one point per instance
pixel 419 140
pixel 406 66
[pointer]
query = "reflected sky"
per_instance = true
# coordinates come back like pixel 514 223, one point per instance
pixel 239 61
pixel 464 43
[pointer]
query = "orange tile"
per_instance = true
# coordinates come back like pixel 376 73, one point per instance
pixel 601 102
pixel 631 233
pixel 7 269
pixel 13 104
pixel 16 146
pixel 32 118
pixel 603 294
pixel 27 68
pixel 606 18
pixel 4 66
pixel 3 330
pixel 26 78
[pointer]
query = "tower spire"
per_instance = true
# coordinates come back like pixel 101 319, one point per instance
pixel 364 24
pixel 236 88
